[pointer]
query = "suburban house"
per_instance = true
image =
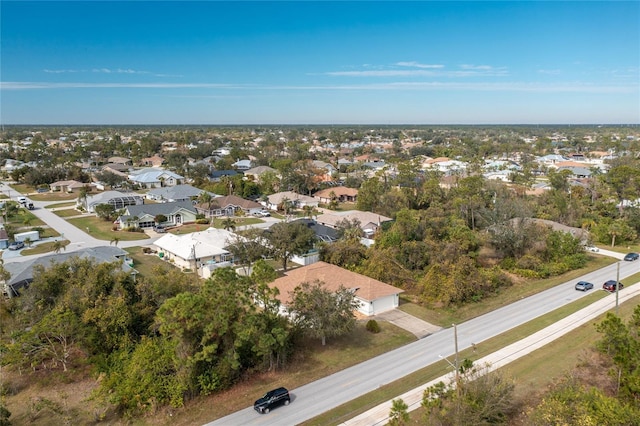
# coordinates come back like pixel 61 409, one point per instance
pixel 329 170
pixel 202 252
pixel 4 238
pixel 323 233
pixel 120 160
pixel 174 193
pixel 117 169
pixel 340 193
pixel 117 199
pixel 71 186
pixel 373 296
pixel 217 175
pixel 445 165
pixel 155 178
pixel 143 216
pixel 299 201
pixel 153 161
pixel 369 222
pixel 228 205
pixel 242 165
pixel 22 272
pixel 256 172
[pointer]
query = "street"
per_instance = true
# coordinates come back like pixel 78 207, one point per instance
pixel 329 392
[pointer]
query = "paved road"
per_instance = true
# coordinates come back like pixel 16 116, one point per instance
pixel 78 239
pixel 379 415
pixel 322 395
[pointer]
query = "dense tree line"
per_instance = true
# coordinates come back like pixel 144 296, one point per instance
pixel 162 339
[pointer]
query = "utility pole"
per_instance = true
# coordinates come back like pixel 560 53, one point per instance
pixel 457 362
pixel 617 286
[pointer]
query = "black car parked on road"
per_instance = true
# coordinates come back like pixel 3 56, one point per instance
pixel 272 399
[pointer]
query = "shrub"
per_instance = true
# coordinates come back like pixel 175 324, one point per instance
pixel 373 326
pixel 202 221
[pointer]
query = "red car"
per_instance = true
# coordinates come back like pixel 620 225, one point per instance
pixel 611 286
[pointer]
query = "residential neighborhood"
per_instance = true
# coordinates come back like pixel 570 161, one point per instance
pixel 390 228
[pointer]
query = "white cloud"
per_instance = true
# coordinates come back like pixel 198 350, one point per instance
pixel 576 87
pixel 476 67
pixel 549 72
pixel 414 64
pixel 129 71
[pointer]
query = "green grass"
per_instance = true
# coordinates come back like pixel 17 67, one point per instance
pixel 146 263
pixel 101 229
pixel 43 248
pixel 67 212
pixel 482 349
pixel 60 205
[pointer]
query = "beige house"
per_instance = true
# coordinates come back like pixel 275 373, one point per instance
pixel 341 193
pixel 373 296
pixel 369 222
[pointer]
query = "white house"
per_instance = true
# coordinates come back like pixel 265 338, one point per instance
pixel 298 200
pixel 199 251
pixel 174 193
pixel 117 199
pixel 155 178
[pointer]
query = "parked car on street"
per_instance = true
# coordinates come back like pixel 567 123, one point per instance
pixel 16 245
pixel 593 249
pixel 611 286
pixel 631 257
pixel 584 285
pixel 272 399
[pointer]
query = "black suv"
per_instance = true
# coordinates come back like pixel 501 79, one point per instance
pixel 272 399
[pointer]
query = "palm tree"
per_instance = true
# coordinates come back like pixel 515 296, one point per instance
pixel 229 224
pixel 27 241
pixel 115 241
pixel 310 211
pixel 82 196
pixel 58 245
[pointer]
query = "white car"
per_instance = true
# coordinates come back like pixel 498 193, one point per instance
pixel 592 249
pixel 262 213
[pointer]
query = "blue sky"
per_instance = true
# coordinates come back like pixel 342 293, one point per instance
pixel 306 62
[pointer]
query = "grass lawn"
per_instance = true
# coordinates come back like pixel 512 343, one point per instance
pixel 146 263
pixel 60 205
pixel 24 217
pixel 43 248
pixel 101 229
pixel 67 212
pixel 535 377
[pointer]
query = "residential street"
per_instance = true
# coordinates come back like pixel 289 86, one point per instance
pixel 317 397
pixel 78 239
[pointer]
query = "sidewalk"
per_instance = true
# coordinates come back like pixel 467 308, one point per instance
pixel 379 415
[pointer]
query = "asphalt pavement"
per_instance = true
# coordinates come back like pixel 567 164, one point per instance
pixel 78 239
pixel 315 398
pixel 379 415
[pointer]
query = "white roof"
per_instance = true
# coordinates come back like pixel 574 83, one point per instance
pixel 208 243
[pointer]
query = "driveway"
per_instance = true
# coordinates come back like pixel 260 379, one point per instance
pixel 408 322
